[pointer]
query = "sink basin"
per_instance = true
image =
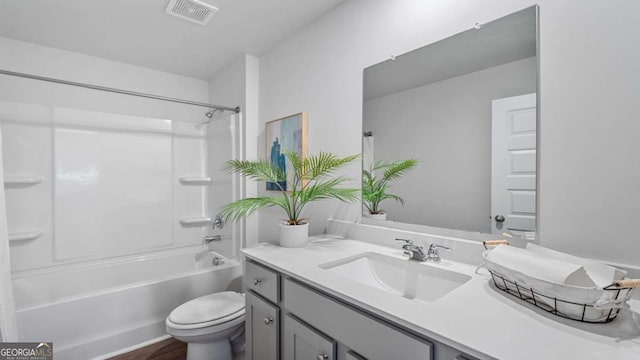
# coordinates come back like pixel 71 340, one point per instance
pixel 401 277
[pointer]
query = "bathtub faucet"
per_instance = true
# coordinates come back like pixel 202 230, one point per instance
pixel 211 238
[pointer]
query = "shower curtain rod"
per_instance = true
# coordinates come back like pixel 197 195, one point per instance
pixel 118 91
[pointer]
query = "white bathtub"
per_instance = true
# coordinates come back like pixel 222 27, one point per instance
pixel 89 310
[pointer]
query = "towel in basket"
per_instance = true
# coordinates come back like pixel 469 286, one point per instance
pixel 563 284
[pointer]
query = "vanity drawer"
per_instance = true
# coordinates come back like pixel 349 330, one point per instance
pixel 263 281
pixel 366 335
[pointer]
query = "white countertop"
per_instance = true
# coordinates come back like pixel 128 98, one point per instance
pixel 475 318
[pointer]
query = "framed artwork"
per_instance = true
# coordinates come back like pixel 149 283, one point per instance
pixel 288 133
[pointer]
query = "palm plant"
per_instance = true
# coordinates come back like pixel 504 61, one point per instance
pixel 374 190
pixel 311 181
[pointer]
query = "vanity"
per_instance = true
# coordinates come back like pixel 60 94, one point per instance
pixel 466 108
pixel 321 302
pixel 290 317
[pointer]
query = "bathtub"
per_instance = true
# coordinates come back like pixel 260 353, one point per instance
pixel 89 310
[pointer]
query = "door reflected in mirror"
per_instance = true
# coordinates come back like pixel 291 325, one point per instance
pixel 465 108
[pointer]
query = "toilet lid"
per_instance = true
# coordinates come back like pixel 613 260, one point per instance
pixel 209 308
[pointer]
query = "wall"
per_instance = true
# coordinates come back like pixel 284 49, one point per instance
pixel 45 61
pixel 590 84
pixel 447 126
pixel 82 140
pixel 237 84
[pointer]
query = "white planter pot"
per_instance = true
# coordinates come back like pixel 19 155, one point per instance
pixel 381 216
pixel 294 235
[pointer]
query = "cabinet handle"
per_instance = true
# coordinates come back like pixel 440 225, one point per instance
pixel 268 321
pixel 257 281
pixel 322 357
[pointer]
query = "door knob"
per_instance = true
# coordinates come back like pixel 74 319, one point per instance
pixel 268 321
pixel 257 281
pixel 322 357
pixel 499 218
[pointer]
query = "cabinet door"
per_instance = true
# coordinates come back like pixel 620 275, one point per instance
pixel 262 329
pixel 351 355
pixel 304 343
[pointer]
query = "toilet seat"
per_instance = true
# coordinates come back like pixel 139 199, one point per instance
pixel 207 311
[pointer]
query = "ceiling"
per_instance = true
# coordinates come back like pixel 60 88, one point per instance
pixel 139 32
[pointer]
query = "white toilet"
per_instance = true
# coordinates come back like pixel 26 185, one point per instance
pixel 210 325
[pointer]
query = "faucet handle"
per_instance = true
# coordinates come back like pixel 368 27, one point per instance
pixel 433 246
pixel 432 253
pixel 408 241
pixel 218 222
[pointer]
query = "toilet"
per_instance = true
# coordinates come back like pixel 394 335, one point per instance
pixel 211 325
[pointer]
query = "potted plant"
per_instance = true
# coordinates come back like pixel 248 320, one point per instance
pixel 375 190
pixel 311 181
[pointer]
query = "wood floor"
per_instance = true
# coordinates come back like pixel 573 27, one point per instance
pixel 169 349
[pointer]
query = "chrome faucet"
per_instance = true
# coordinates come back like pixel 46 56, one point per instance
pixel 415 252
pixel 433 255
pixel 211 238
pixel 218 222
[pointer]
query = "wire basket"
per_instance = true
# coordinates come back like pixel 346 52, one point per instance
pixel 617 294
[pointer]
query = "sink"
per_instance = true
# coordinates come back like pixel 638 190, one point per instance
pixel 409 279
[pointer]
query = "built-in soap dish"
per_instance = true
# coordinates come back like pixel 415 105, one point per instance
pixel 195 181
pixel 29 235
pixel 22 181
pixel 195 221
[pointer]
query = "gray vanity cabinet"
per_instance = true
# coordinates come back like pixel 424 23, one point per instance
pixel 350 355
pixel 301 342
pixel 360 332
pixel 262 319
pixel 291 320
pixel 262 329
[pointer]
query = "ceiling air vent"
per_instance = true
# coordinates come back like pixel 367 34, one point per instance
pixel 192 10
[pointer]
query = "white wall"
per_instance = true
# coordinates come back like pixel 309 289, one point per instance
pixel 446 125
pixel 238 85
pixel 590 138
pixel 45 61
pixel 45 127
pixel 227 87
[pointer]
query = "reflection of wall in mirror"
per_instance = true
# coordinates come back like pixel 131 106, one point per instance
pixel 447 125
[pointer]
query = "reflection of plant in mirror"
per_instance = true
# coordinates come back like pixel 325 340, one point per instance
pixel 311 181
pixel 374 190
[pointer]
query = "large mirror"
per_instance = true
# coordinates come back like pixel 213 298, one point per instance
pixel 465 108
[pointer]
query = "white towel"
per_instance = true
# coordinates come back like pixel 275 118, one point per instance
pixel 553 278
pixel 540 266
pixel 602 275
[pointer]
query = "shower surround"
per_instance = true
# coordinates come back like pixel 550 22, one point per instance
pixel 105 206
